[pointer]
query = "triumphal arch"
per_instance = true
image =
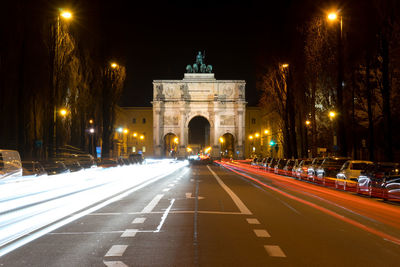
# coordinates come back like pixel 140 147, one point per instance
pixel 177 102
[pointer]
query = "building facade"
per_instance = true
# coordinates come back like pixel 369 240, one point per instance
pixel 177 102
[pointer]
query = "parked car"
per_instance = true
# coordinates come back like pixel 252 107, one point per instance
pixel 329 168
pixel 10 163
pixel 136 158
pixel 349 173
pixel 278 168
pixel 254 161
pixel 265 162
pixel 87 161
pixel 55 167
pixel 32 168
pixel 380 180
pixel 271 164
pixel 73 165
pixel 302 168
pixel 312 167
pixel 107 163
pixel 288 168
pixel 261 162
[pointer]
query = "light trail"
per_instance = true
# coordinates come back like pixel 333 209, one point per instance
pixel 40 207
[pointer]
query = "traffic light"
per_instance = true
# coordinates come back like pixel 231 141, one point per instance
pixel 272 143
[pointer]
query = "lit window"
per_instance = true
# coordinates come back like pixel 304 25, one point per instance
pixel 144 120
pixel 134 120
pixel 253 121
pixel 144 149
pixel 133 149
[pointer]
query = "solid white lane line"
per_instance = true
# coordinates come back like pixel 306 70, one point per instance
pixel 129 233
pixel 139 220
pixel 164 216
pixel 152 204
pixel 166 189
pixel 252 221
pixel 115 264
pixel 243 209
pixel 116 251
pixel 261 233
pixel 274 251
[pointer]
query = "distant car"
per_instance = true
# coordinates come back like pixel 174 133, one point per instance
pixel 55 167
pixel 136 158
pixel 271 164
pixel 87 161
pixel 32 168
pixel 279 166
pixel 311 170
pixel 107 163
pixel 290 164
pixel 73 165
pixel 380 180
pixel 302 168
pixel 349 173
pixel 329 168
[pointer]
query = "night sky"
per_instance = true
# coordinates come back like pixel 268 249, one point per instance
pixel 157 39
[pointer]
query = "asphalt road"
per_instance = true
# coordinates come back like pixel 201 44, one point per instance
pixel 206 215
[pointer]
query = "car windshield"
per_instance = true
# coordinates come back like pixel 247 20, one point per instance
pixel 359 166
pixel 334 162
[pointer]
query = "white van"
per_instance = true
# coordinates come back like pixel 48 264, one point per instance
pixel 10 163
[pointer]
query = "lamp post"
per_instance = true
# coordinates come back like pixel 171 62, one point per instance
pixel 308 123
pixel 54 73
pixel 221 141
pixel 334 17
pixel 332 116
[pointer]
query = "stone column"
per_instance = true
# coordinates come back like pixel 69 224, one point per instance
pixel 182 139
pixel 240 134
pixel 156 130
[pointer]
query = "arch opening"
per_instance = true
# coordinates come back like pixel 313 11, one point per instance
pixel 199 134
pixel 171 142
pixel 227 142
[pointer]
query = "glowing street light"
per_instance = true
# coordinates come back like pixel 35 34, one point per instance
pixel 285 65
pixel 91 130
pixel 251 137
pixel 176 140
pixel 66 15
pixel 332 114
pixel 126 131
pixel 134 134
pixel 114 65
pixel 120 130
pixel 266 131
pixel 332 16
pixel 63 112
pixel 221 140
pixel 188 149
pixel 91 121
pixel 308 122
pixel 257 135
pixel 141 137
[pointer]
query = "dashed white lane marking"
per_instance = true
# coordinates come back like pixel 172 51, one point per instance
pixel 129 233
pixel 116 251
pixel 115 264
pixel 152 204
pixel 166 189
pixel 261 233
pixel 274 251
pixel 171 185
pixel 164 216
pixel 252 221
pixel 139 220
pixel 243 209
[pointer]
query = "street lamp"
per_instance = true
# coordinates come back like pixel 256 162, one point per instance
pixel 334 17
pixel 63 112
pixel 54 71
pixel 332 114
pixel 114 65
